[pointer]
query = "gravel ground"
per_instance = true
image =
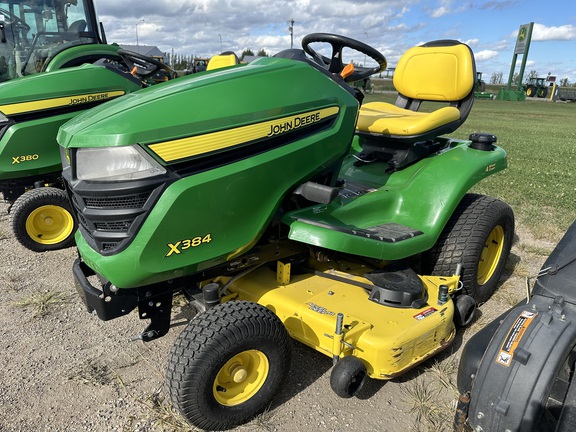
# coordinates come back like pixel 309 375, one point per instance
pixel 65 370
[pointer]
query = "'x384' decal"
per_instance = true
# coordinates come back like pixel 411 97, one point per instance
pixel 180 246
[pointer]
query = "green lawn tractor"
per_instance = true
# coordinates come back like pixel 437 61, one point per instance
pixel 517 373
pixel 294 213
pixel 32 109
pixel 42 45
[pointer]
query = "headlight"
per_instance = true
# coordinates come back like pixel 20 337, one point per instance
pixel 115 163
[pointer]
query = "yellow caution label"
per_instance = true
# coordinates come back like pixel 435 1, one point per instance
pixel 514 337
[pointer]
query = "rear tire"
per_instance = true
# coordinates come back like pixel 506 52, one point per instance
pixel 479 237
pixel 42 220
pixel 227 364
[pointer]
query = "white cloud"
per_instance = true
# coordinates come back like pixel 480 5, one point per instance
pixel 439 12
pixel 486 55
pixel 545 33
pixel 472 42
pixel 391 26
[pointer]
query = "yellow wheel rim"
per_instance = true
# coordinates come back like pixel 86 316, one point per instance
pixel 49 224
pixel 241 378
pixel 490 256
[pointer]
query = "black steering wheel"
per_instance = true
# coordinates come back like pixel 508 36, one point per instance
pixel 14 20
pixel 338 43
pixel 141 65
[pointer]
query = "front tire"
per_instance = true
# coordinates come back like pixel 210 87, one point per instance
pixel 227 364
pixel 543 92
pixel 479 237
pixel 42 220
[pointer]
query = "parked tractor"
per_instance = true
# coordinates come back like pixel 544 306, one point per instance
pixel 480 85
pixel 480 88
pixel 300 213
pixel 58 52
pixel 44 36
pixel 536 87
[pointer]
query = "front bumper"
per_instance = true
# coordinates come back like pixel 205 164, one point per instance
pixel 110 302
pixel 106 303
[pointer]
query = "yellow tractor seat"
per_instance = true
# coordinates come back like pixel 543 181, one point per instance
pixel 386 119
pixel 225 59
pixel 441 71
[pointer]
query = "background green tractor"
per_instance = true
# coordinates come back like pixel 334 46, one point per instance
pixel 536 87
pixel 44 44
pixel 480 85
pixel 32 108
pixel 38 36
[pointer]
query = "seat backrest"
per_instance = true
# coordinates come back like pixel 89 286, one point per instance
pixel 77 26
pixel 442 71
pixel 225 59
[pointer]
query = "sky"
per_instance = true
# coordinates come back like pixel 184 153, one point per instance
pixel 206 27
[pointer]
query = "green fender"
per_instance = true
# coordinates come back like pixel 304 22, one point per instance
pixel 77 55
pixel 394 216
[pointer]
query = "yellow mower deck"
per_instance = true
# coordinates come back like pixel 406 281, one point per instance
pixel 389 340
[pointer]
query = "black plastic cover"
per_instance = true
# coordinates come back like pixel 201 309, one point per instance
pixel 512 385
pixel 560 278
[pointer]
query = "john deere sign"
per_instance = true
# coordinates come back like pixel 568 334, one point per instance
pixel 523 38
pixel 522 47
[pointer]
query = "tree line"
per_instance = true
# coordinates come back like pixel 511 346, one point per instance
pixel 186 62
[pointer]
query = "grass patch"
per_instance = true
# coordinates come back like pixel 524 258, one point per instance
pixel 423 399
pixel 165 415
pixel 42 302
pixel 542 251
pixel 427 397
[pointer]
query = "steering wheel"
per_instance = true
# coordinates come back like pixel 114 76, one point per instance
pixel 13 19
pixel 142 65
pixel 338 43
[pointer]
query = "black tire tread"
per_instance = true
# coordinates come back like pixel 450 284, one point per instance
pixel 26 203
pixel 465 230
pixel 204 341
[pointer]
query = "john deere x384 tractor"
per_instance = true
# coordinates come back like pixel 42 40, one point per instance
pixel 295 211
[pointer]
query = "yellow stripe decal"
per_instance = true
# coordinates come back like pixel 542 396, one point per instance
pixel 197 145
pixel 39 105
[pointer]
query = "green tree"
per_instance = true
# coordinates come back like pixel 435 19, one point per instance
pixel 496 78
pixel 246 52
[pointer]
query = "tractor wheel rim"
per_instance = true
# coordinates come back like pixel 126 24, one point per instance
pixel 241 378
pixel 49 224
pixel 490 256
